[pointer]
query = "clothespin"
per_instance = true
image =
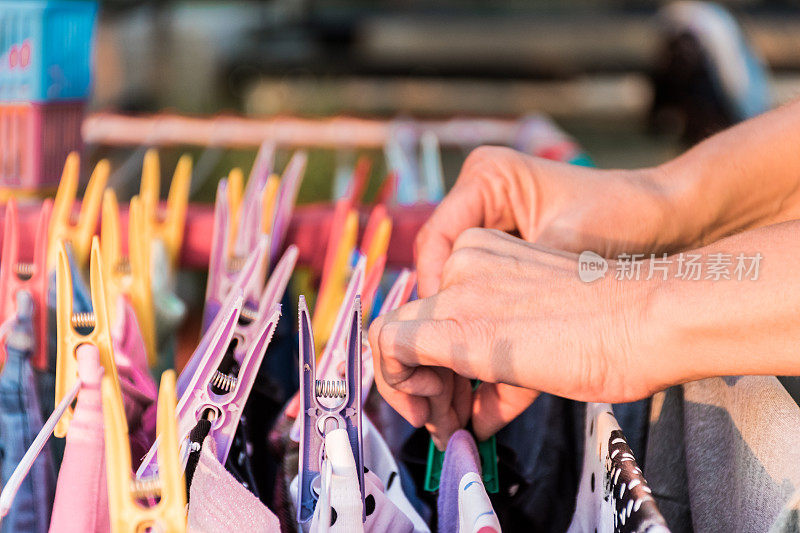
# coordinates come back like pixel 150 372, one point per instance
pixel 319 416
pixel 487 450
pixel 69 324
pixel 431 166
pixel 170 225
pixel 125 493
pixel 62 228
pixel 230 357
pixel 374 245
pixel 334 353
pixel 224 266
pixel 269 199
pixel 32 277
pixel 341 243
pixel 284 203
pixel 129 276
pixel 271 295
pixel 224 366
pixel 253 202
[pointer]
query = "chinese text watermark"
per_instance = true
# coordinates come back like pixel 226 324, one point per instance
pixel 684 266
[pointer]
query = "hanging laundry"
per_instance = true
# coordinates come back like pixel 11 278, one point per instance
pixel 613 494
pixel 464 505
pixel 81 502
pixel 219 504
pixel 737 432
pixel 20 421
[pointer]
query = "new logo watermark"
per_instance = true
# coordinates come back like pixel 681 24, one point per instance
pixel 591 266
pixel 684 266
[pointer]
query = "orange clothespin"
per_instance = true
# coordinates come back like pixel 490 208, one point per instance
pixel 170 225
pixel 32 277
pixel 67 325
pixel 62 228
pixel 129 276
pixel 125 492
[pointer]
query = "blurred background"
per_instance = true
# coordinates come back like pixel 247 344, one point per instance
pixel 588 65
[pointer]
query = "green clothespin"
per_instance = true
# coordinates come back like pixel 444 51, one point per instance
pixel 487 450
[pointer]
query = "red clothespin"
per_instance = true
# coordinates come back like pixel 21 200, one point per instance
pixel 32 277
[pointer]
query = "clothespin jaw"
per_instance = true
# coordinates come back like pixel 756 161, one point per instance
pixel 334 279
pixel 170 227
pixel 69 338
pixel 31 277
pixel 78 234
pixel 127 514
pixel 286 197
pixel 224 266
pixel 319 417
pixel 131 276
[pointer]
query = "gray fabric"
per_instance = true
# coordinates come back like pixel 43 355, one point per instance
pixel 742 460
pixel 665 460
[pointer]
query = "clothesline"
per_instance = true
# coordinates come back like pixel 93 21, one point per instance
pixel 338 132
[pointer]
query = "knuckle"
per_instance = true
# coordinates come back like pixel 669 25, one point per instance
pixel 458 265
pixel 471 237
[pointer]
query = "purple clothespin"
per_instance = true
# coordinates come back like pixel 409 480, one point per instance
pixel 335 352
pixel 284 203
pixel 249 230
pixel 319 417
pixel 223 266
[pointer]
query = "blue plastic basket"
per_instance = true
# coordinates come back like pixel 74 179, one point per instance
pixel 46 50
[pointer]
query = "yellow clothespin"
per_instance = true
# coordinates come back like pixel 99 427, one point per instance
pixel 334 282
pixel 131 276
pixel 235 192
pixel 268 203
pixel 62 228
pixel 125 492
pixel 379 242
pixel 69 338
pixel 169 228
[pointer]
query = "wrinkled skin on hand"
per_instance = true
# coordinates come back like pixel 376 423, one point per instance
pixel 500 309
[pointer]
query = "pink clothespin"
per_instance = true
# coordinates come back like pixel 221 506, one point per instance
pixel 287 195
pixel 224 266
pixel 221 372
pixel 319 416
pixel 32 277
pixel 249 230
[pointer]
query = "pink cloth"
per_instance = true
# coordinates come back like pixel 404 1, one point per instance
pixel 81 503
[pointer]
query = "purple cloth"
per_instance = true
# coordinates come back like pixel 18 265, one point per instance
pixel 460 459
pixel 138 388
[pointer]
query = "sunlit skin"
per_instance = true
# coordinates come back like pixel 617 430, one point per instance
pixel 512 312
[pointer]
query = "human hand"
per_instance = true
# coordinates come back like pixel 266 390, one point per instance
pixel 539 328
pixel 562 206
